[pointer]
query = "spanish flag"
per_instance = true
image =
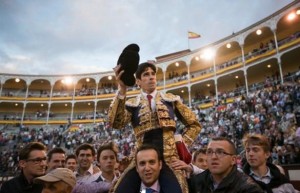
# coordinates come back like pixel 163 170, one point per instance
pixel 193 35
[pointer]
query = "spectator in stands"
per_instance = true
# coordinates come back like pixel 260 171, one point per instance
pixel 151 127
pixel 222 174
pixel 71 162
pixel 32 161
pixel 117 172
pixel 86 171
pixel 107 159
pixel 200 158
pixel 297 121
pixel 59 180
pixel 267 175
pixel 297 152
pixel 56 158
pixel 123 164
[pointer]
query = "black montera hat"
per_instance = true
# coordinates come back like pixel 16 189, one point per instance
pixel 129 60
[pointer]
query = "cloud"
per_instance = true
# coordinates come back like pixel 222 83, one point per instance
pixel 77 36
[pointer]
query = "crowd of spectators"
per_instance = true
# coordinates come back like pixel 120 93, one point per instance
pixel 176 77
pixel 273 111
pixel 108 88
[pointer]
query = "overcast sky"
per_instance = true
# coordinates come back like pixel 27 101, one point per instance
pixel 86 36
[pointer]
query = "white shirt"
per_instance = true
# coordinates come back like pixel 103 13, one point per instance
pixel 155 187
pixel 265 179
pixel 88 177
pixel 153 94
pixel 104 180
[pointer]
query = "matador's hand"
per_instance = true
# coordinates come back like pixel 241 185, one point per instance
pixel 118 73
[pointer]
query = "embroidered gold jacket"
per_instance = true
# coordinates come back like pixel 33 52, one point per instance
pixel 167 106
pixel 137 112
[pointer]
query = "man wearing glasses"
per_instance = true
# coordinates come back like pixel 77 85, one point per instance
pixel 222 174
pixel 33 164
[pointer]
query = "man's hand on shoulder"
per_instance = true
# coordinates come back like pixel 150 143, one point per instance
pixel 177 164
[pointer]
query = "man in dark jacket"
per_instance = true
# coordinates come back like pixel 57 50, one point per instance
pixel 222 174
pixel 33 164
pixel 148 166
pixel 267 175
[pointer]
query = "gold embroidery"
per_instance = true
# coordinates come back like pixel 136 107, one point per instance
pixel 161 118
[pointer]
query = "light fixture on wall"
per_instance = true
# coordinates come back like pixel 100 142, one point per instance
pixel 258 32
pixel 208 54
pixel 291 16
pixel 67 81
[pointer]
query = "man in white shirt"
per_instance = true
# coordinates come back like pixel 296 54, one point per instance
pixel 86 172
pixel 107 159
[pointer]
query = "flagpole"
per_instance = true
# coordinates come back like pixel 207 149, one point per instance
pixel 188 39
pixel 192 35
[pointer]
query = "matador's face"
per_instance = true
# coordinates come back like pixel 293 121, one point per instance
pixel 148 81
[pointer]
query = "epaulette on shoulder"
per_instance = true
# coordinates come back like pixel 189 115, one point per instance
pixel 133 102
pixel 170 97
